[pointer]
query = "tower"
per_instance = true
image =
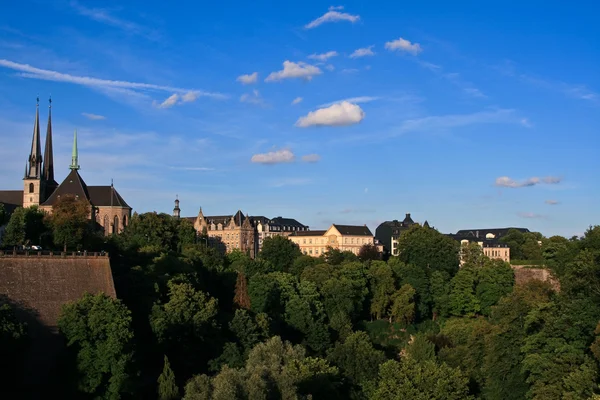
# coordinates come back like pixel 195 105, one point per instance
pixel 49 184
pixel 176 210
pixel 74 155
pixel 33 179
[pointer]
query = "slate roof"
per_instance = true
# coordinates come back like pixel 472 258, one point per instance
pixel 481 233
pixel 73 184
pixel 353 230
pixel 287 222
pixel 100 196
pixel 308 233
pixel 11 198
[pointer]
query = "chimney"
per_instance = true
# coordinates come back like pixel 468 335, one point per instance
pixel 407 215
pixel 476 234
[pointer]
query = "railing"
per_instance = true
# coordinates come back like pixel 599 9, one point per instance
pixel 56 254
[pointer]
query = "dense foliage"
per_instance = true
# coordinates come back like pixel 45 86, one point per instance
pixel 192 323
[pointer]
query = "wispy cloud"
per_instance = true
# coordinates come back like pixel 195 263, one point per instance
pixel 531 215
pixel 505 181
pixel 349 70
pixel 363 52
pixel 274 157
pixel 404 45
pixel 551 202
pixel 323 56
pixel 454 78
pixel 354 100
pixel 176 99
pixel 297 100
pixel 291 70
pixel 104 16
pixel 341 114
pixel 525 122
pixel 248 79
pixel 105 85
pixel 311 158
pixel 333 15
pixel 290 182
pixel 252 98
pixel 94 117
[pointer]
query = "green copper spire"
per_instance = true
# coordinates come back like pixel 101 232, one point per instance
pixel 74 158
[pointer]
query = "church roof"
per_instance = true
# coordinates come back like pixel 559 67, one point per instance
pixel 11 199
pixel 100 196
pixel 354 230
pixel 72 185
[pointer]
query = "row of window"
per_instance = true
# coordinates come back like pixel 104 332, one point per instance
pixel 346 241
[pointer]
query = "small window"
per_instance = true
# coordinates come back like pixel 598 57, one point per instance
pixel 31 187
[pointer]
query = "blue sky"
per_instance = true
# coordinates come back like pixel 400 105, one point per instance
pixel 465 115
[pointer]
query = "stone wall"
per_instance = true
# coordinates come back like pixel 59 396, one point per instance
pixel 526 273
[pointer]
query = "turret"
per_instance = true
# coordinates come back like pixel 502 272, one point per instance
pixel 176 209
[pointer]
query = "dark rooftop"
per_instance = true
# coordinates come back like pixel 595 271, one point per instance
pixel 355 230
pixel 308 233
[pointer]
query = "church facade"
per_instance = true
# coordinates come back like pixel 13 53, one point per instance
pixel 108 208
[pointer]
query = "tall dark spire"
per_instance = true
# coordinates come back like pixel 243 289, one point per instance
pixel 48 153
pixel 35 157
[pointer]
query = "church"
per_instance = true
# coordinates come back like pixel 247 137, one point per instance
pixel 108 208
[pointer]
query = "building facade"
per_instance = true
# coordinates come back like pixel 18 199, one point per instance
pixel 278 226
pixel 108 209
pixel 342 237
pixel 489 240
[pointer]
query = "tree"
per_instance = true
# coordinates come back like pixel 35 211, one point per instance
pixel 167 387
pixel 241 298
pixel 463 300
pixel 368 252
pixel 428 249
pixel 420 381
pixel 420 349
pixel 25 226
pixel 403 307
pixel 70 221
pixel 280 252
pixel 98 329
pixel 382 286
pixel 3 215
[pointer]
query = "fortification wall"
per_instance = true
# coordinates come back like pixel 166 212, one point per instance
pixel 42 283
pixel 525 273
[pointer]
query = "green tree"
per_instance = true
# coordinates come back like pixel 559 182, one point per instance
pixel 25 226
pixel 280 252
pixel 439 286
pixel 167 387
pixel 382 286
pixel 403 307
pixel 428 249
pixel 98 329
pixel 3 215
pixel 71 223
pixel 494 281
pixel 158 230
pixel 463 300
pixel 418 279
pixel 420 348
pixel 368 252
pixel 198 388
pixel 420 381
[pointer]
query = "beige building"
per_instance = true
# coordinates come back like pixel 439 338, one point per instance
pixel 495 251
pixel 227 232
pixel 278 226
pixel 342 237
pixel 108 208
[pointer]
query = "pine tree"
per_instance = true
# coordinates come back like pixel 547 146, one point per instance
pixel 241 298
pixel 167 388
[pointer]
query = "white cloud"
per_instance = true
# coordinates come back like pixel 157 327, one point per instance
pixel 323 56
pixel 311 158
pixel 531 215
pixel 94 117
pixel 340 114
pixel 297 100
pixel 505 181
pixel 329 67
pixel 27 71
pixel 474 92
pixel 333 15
pixel 525 122
pixel 362 52
pixel 333 8
pixel 248 79
pixel 274 157
pixel 551 202
pixel 170 101
pixel 353 100
pixel 404 45
pixel 189 97
pixel 294 70
pixel 103 16
pixel 349 70
pixel 253 98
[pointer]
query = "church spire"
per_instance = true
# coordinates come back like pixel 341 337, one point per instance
pixel 74 158
pixel 48 156
pixel 176 210
pixel 35 157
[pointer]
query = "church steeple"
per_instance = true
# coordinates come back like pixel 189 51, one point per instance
pixel 74 157
pixel 34 165
pixel 177 210
pixel 48 153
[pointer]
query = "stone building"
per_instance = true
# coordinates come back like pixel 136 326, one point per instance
pixel 108 208
pixel 342 237
pixel 488 239
pixel 278 226
pixel 388 233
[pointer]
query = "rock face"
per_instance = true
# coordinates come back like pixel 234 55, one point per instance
pixel 525 273
pixel 37 285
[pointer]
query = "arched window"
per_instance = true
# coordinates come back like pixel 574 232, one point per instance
pixel 106 225
pixel 31 187
pixel 116 224
pixel 124 221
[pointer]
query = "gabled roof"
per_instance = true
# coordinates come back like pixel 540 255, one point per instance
pixel 11 199
pixel 100 196
pixel 72 185
pixel 287 222
pixel 353 230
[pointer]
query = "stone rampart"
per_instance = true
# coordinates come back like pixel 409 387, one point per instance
pixel 526 273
